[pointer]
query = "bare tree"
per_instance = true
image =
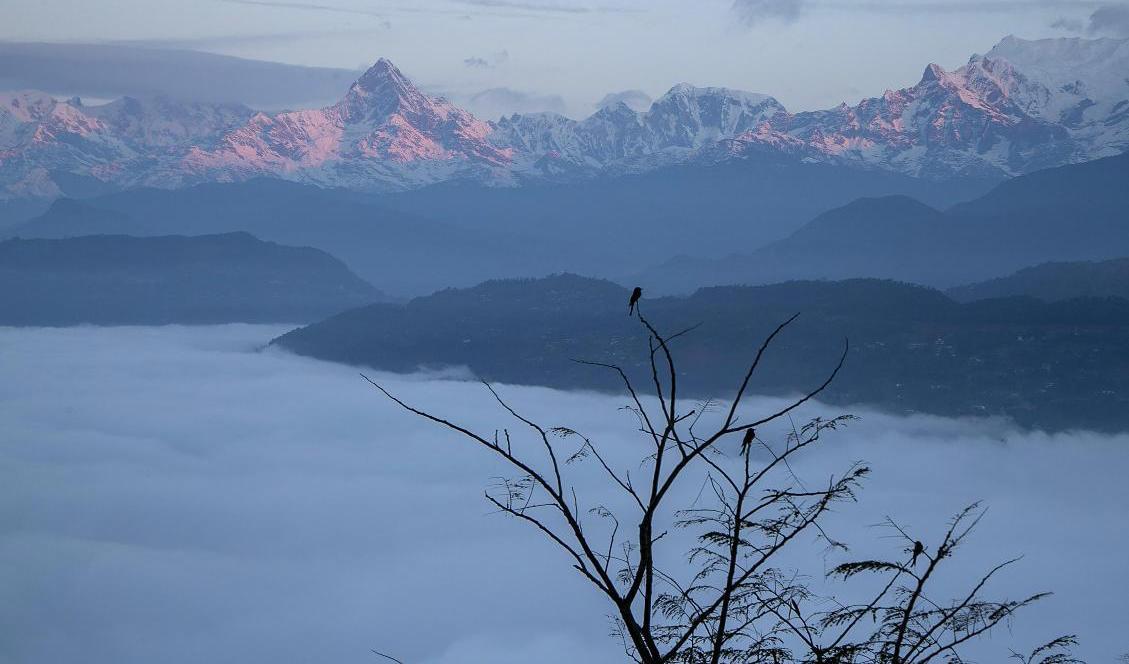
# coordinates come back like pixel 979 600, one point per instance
pixel 723 594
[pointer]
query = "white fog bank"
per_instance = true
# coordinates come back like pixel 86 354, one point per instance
pixel 176 495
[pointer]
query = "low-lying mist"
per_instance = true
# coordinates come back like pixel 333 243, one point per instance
pixel 177 495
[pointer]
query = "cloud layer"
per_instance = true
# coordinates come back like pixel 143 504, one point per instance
pixel 1111 20
pixel 175 495
pixel 635 99
pixel 494 103
pixel 751 12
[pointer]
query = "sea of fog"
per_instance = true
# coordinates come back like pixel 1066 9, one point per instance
pixel 180 495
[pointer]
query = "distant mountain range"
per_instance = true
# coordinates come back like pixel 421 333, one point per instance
pixel 1054 365
pixel 415 242
pixel 1069 213
pixel 119 280
pixel 401 252
pixel 1023 106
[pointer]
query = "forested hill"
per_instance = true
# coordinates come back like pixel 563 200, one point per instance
pixel 1054 365
pixel 1055 281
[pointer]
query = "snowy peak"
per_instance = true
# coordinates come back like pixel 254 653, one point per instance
pixel 1079 84
pixel 380 92
pixel 1068 66
pixel 1014 110
pixel 382 73
pixel 384 133
pixel 168 123
pixel 935 74
pixel 714 103
pixel 684 124
pixel 1069 56
pixel 691 117
pixel 686 90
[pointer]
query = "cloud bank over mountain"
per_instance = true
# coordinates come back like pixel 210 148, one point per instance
pixel 836 50
pixel 1110 20
pixel 751 12
pixel 109 71
pixel 636 100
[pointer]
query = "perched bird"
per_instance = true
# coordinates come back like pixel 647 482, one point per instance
pixel 635 295
pixel 918 549
pixel 750 434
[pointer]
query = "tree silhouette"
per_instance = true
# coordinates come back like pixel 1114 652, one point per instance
pixel 721 593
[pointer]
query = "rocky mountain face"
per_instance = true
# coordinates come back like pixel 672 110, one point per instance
pixel 384 132
pixel 47 145
pixel 684 124
pixel 1023 106
pixel 1003 112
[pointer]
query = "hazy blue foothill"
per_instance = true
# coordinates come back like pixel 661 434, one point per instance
pixel 1054 281
pixel 1075 212
pixel 458 235
pixel 123 280
pixel 447 235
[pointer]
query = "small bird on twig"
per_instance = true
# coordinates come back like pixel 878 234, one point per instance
pixel 635 295
pixel 750 434
pixel 918 549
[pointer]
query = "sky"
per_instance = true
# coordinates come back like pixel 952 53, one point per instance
pixel 177 495
pixel 567 55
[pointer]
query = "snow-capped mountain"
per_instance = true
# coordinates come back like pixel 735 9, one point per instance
pixel 1080 84
pixel 679 125
pixel 384 133
pixel 1025 105
pixel 123 143
pixel 1022 106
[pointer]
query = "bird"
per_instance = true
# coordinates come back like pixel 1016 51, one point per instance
pixel 750 434
pixel 635 295
pixel 918 549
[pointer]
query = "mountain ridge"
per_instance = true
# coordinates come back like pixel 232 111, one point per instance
pixel 999 115
pixel 1054 281
pixel 1067 213
pixel 171 279
pixel 912 349
pixel 458 234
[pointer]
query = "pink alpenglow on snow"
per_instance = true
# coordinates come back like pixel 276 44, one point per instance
pixel 382 118
pixel 1023 106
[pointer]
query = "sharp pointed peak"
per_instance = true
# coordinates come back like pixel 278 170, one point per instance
pixel 934 72
pixel 383 85
pixel 383 64
pixel 383 71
